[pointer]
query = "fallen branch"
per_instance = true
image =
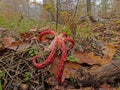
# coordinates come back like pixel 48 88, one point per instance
pixel 104 74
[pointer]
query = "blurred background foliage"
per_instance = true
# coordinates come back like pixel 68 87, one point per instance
pixel 22 15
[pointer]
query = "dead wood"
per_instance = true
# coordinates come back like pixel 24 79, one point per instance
pixel 106 73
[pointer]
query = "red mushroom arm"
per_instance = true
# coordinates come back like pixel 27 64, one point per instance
pixel 59 74
pixel 47 61
pixel 71 43
pixel 64 34
pixel 48 31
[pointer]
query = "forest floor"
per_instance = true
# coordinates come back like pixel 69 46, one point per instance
pixel 96 46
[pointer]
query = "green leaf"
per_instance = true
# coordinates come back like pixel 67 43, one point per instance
pixel 36 52
pixel 27 78
pixel 2 73
pixel 118 57
pixel 119 88
pixel 32 54
pixel 0 85
pixel 67 30
pixel 72 59
pixel 28 75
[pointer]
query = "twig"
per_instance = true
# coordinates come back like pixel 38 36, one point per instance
pixel 75 11
pixel 56 15
pixel 6 71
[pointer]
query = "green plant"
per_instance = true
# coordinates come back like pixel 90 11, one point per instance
pixel 72 59
pixel 14 23
pixel 84 33
pixel 28 75
pixel 118 57
pixel 67 30
pixel 119 88
pixel 33 51
pixel 2 73
pixel 0 85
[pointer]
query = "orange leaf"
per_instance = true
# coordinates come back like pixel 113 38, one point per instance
pixel 110 50
pixel 84 58
pixel 69 69
pixel 7 41
pixel 102 61
pixel 10 43
pixel 18 45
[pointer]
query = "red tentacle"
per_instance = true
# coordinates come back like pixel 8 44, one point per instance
pixel 59 74
pixel 71 43
pixel 64 34
pixel 48 31
pixel 59 39
pixel 47 61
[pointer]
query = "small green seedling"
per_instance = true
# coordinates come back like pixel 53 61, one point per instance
pixel 33 51
pixel 28 75
pixel 72 59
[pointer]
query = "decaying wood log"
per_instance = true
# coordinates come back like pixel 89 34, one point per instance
pixel 101 75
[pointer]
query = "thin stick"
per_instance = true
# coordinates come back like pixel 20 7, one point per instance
pixel 75 11
pixel 56 15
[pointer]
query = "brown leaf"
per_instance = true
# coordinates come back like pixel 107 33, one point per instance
pixel 51 81
pixel 7 41
pixel 84 58
pixel 101 61
pixel 18 45
pixel 106 87
pixel 58 87
pixel 54 65
pixel 26 36
pixel 10 43
pixel 69 69
pixel 84 88
pixel 110 50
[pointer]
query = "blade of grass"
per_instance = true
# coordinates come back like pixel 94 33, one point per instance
pixel 0 85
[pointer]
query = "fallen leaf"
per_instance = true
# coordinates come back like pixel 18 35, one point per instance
pixel 19 45
pixel 51 81
pixel 106 87
pixel 84 88
pixel 101 61
pixel 10 43
pixel 84 58
pixel 7 41
pixel 69 69
pixel 110 50
pixel 58 87
pixel 26 36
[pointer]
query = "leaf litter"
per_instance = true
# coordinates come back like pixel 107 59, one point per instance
pixel 17 71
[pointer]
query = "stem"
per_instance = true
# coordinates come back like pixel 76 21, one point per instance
pixel 56 15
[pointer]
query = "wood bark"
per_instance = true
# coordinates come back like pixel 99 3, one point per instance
pixel 106 73
pixel 88 6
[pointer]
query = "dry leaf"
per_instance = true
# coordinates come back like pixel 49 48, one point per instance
pixel 106 87
pixel 26 36
pixel 7 41
pixel 18 45
pixel 69 69
pixel 102 61
pixel 84 58
pixel 10 43
pixel 110 50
